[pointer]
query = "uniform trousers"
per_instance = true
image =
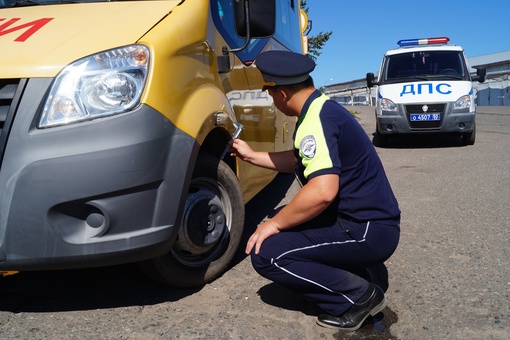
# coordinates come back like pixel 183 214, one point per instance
pixel 318 259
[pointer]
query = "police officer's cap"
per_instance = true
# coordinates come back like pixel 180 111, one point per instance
pixel 284 67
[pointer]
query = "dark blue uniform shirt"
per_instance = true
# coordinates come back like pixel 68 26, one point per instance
pixel 329 140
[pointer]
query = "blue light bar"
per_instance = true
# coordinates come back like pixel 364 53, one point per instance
pixel 423 41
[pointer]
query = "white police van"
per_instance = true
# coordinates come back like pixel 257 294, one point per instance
pixel 424 86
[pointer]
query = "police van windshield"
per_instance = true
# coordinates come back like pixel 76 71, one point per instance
pixel 424 65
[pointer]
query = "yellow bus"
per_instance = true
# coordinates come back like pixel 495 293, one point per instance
pixel 114 116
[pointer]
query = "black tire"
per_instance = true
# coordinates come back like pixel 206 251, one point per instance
pixel 210 231
pixel 469 137
pixel 379 139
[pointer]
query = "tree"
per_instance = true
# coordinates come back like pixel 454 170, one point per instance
pixel 316 42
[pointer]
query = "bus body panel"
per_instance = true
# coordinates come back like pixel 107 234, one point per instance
pixel 56 35
pixel 112 190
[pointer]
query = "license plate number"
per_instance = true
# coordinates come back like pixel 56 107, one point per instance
pixel 425 116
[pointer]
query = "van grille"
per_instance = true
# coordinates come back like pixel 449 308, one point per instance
pixel 431 108
pixel 9 98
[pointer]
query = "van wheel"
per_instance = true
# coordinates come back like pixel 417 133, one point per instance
pixel 210 230
pixel 469 137
pixel 379 139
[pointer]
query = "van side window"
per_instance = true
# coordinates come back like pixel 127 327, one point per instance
pixel 287 27
pixel 226 14
pixel 223 17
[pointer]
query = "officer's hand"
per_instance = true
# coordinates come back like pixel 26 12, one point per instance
pixel 265 230
pixel 241 149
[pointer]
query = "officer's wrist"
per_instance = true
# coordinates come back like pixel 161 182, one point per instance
pixel 275 225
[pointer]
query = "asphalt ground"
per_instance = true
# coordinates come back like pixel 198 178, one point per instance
pixel 449 278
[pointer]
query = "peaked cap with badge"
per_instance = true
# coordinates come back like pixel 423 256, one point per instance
pixel 284 67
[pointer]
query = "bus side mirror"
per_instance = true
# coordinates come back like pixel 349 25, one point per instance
pixel 256 19
pixel 480 74
pixel 253 19
pixel 371 80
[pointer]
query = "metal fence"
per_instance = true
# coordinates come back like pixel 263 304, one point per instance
pixel 493 92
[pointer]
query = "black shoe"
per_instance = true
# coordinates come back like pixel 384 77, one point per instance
pixel 371 303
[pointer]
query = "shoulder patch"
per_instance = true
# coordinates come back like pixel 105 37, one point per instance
pixel 308 146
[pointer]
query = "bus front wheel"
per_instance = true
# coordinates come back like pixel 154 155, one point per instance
pixel 210 230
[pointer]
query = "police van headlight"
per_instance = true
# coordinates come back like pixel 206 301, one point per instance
pixel 388 105
pixel 100 85
pixel 462 103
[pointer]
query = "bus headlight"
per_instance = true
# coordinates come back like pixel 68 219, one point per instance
pixel 100 85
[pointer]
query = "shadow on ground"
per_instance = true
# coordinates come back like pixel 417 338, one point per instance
pixel 419 141
pixel 262 205
pixel 83 289
pixel 375 328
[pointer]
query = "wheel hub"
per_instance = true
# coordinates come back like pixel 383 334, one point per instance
pixel 204 223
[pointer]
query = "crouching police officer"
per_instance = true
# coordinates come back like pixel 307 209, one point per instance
pixel 345 218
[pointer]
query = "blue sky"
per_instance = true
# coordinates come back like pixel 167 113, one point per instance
pixel 363 30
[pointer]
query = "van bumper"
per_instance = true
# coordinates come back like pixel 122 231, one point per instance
pixel 401 123
pixel 95 193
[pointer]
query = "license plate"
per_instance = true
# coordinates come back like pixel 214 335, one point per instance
pixel 425 116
